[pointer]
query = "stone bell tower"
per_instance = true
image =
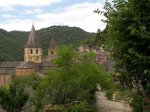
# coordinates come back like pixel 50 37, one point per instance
pixel 33 50
pixel 52 50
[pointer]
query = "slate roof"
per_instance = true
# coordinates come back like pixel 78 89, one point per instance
pixel 8 64
pixel 47 64
pixel 28 65
pixel 10 67
pixel 6 70
pixel 52 45
pixel 33 40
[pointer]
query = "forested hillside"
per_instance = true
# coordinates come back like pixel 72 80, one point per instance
pixel 12 43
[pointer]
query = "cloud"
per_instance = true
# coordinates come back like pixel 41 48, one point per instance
pixel 79 15
pixel 27 11
pixel 27 3
pixel 31 11
pixel 7 16
pixel 7 9
pixel 37 10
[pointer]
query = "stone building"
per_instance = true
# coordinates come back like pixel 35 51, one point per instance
pixel 52 50
pixel 33 50
pixel 33 60
pixel 84 48
pixel 101 56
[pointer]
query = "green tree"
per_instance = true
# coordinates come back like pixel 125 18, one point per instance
pixel 98 38
pixel 128 30
pixel 80 107
pixel 74 79
pixel 12 98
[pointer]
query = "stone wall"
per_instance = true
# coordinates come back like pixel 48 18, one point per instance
pixel 33 54
pixel 5 79
pixel 25 72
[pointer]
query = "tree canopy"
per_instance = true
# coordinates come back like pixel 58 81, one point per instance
pixel 129 34
pixel 75 79
pixel 13 98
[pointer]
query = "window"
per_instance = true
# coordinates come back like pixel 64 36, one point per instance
pixel 52 52
pixel 31 51
pixel 36 51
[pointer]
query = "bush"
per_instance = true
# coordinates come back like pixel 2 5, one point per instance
pixel 80 107
pixel 109 94
pixel 137 103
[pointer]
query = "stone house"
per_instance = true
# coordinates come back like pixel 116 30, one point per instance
pixel 101 54
pixel 84 48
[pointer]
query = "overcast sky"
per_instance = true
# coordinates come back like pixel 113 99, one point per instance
pixel 20 14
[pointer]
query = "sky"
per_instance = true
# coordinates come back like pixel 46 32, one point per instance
pixel 21 14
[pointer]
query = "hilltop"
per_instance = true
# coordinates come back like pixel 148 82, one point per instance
pixel 12 43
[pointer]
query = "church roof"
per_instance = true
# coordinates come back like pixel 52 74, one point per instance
pixel 28 65
pixel 47 64
pixel 52 44
pixel 32 40
pixel 6 70
pixel 8 64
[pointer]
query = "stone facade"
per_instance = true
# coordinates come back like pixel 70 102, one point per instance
pixel 101 54
pixel 33 54
pixel 102 57
pixel 51 54
pixel 84 48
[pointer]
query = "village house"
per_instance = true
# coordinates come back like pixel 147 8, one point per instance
pixel 101 55
pixel 101 58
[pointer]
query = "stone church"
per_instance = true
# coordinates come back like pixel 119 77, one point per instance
pixel 33 63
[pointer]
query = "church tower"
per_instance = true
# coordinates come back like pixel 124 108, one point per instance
pixel 52 49
pixel 33 50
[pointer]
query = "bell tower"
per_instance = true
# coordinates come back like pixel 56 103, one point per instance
pixel 52 50
pixel 33 50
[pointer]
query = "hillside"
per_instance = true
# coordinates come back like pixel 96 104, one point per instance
pixel 12 43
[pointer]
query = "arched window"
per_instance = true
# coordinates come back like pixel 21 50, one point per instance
pixel 52 52
pixel 36 51
pixel 31 51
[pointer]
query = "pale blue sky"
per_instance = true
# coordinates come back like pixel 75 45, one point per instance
pixel 20 14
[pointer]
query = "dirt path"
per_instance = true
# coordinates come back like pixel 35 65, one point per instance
pixel 104 105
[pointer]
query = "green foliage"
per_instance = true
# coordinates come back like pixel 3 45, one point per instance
pixel 53 108
pixel 137 103
pixel 12 43
pixel 30 84
pixel 96 40
pixel 8 47
pixel 99 38
pixel 12 98
pixel 80 107
pixel 125 95
pixel 26 81
pixel 75 79
pixel 128 32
